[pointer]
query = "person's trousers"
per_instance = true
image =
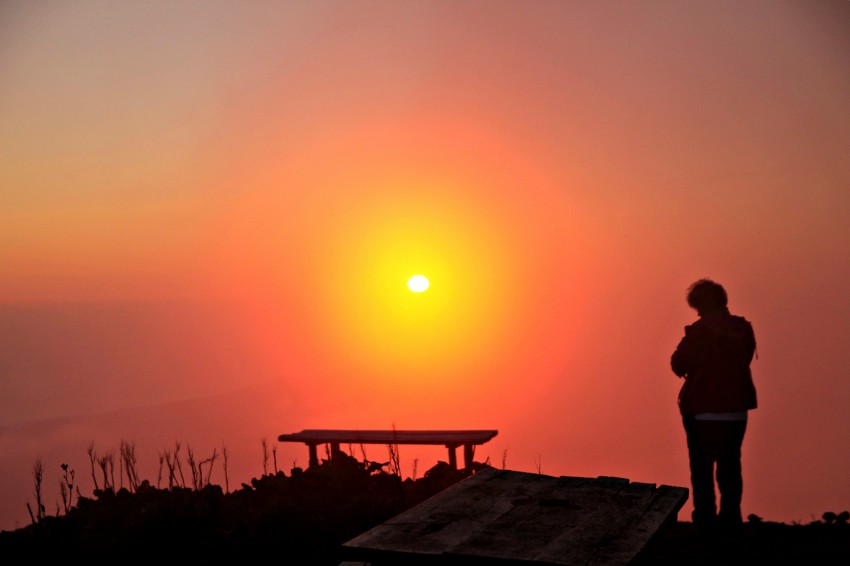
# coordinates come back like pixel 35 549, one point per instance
pixel 717 443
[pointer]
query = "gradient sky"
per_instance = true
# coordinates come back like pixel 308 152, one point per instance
pixel 209 211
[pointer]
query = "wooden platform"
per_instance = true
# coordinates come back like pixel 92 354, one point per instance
pixel 501 517
pixel 451 439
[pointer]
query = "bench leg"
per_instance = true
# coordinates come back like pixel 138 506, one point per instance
pixel 314 456
pixel 467 455
pixel 452 457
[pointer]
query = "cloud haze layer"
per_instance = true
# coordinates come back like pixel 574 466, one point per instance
pixel 209 212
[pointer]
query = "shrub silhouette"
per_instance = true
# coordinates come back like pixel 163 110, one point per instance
pixel 304 516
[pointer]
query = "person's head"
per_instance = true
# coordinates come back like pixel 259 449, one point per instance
pixel 706 296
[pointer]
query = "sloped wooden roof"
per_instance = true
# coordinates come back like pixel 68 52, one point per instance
pixel 504 517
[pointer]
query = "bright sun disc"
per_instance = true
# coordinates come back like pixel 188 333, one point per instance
pixel 418 283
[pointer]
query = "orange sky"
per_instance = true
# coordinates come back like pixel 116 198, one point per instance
pixel 209 212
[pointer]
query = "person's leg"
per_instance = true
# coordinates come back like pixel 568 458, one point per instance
pixel 729 478
pixel 701 458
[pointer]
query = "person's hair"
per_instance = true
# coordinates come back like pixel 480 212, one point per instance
pixel 706 295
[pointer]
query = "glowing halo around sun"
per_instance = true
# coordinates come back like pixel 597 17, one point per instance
pixel 418 283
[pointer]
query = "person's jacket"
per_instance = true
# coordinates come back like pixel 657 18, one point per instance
pixel 714 358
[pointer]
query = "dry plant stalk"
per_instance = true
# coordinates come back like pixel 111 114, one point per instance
pixel 159 473
pixel 169 462
pixel 211 462
pixel 197 469
pixel 172 463
pixel 225 453
pixel 107 468
pixel 92 459
pixel 66 487
pixel 177 464
pixel 128 459
pixel 265 457
pixel 38 477
pixel 193 467
pixel 395 457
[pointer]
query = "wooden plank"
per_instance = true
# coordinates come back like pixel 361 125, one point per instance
pixel 664 505
pixel 562 511
pixel 506 517
pixel 435 437
pixel 610 513
pixel 450 517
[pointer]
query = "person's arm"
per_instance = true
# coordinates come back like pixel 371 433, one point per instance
pixel 751 344
pixel 682 358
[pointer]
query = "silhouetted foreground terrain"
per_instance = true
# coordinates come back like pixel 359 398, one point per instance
pixel 758 544
pixel 302 518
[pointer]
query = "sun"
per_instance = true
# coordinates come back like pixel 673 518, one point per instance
pixel 418 283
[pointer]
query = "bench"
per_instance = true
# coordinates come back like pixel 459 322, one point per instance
pixel 451 439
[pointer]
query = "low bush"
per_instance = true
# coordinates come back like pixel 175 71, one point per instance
pixel 299 518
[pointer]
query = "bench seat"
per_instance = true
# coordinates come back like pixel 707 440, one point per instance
pixel 451 439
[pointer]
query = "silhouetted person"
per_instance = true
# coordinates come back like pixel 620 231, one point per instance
pixel 714 359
